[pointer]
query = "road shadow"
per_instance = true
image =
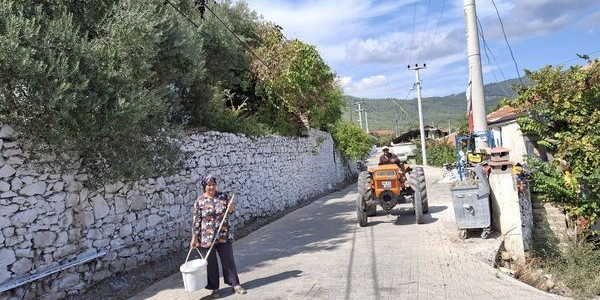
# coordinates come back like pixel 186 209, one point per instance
pixel 320 226
pixel 258 282
pixel 406 216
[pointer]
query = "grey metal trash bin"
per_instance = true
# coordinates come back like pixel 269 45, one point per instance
pixel 470 199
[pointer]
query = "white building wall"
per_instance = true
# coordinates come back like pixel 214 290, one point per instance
pixel 509 136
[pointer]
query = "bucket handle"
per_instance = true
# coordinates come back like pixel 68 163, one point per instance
pixel 190 252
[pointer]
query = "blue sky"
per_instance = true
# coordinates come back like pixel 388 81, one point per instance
pixel 368 43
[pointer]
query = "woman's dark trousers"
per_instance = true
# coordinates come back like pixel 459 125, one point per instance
pixel 230 275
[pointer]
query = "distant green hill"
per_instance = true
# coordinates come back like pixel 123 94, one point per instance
pixel 439 111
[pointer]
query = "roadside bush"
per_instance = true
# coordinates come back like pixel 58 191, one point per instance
pixel 438 153
pixel 350 140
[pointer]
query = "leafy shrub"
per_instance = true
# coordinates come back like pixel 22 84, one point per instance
pixel 350 140
pixel 563 111
pixel 438 153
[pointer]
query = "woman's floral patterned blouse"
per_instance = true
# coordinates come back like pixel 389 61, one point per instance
pixel 208 214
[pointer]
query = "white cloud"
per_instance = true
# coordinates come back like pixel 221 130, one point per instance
pixel 368 42
pixel 529 18
pixel 364 85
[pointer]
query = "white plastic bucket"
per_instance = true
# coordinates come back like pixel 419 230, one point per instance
pixel 194 274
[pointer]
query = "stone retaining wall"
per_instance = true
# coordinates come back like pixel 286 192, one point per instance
pixel 49 219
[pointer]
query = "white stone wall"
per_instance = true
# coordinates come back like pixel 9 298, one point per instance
pixel 48 218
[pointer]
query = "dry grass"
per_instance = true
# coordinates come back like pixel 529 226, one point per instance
pixel 578 268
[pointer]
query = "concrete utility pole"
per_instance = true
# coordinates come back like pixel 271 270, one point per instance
pixel 476 76
pixel 366 122
pixel 418 87
pixel 359 110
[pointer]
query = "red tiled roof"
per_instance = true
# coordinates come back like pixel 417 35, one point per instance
pixel 503 114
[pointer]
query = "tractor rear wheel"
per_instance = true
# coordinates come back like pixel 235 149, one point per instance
pixel 371 210
pixel 418 185
pixel 361 215
pixel 365 178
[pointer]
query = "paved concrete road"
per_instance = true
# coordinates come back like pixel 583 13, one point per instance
pixel 319 252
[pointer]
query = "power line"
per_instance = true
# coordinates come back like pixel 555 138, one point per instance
pixel 487 48
pixel 574 59
pixel 424 30
pixel 182 14
pixel 228 29
pixel 412 35
pixel 237 37
pixel 437 26
pixel 507 43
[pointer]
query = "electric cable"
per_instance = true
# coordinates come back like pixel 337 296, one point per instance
pixel 424 30
pixel 412 35
pixel 507 43
pixel 486 49
pixel 437 26
pixel 574 59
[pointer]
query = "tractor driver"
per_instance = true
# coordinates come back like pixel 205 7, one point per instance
pixel 388 157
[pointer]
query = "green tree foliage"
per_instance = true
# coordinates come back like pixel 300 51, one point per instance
pixel 293 79
pixel 564 108
pixel 110 82
pixel 100 94
pixel 352 142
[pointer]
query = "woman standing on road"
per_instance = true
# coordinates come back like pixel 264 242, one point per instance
pixel 209 210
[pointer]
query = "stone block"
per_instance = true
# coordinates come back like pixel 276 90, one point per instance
pixel 13 240
pixel 94 234
pixel 71 200
pixel 138 202
pixel 141 225
pixel 36 188
pixel 85 218
pixel 108 230
pixel 100 206
pixel 4 274
pixel 43 239
pixel 121 205
pixel 114 187
pixel 6 132
pixel 174 210
pixel 15 160
pixel 25 252
pixel 4 186
pixel 7 256
pixel 26 217
pixel 126 230
pixel 58 186
pixel 22 266
pixel 7 171
pixel 153 220
pixel 9 194
pixel 62 239
pixel 69 280
pixel 101 243
pixel 67 219
pixel 8 210
pixel 4 222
